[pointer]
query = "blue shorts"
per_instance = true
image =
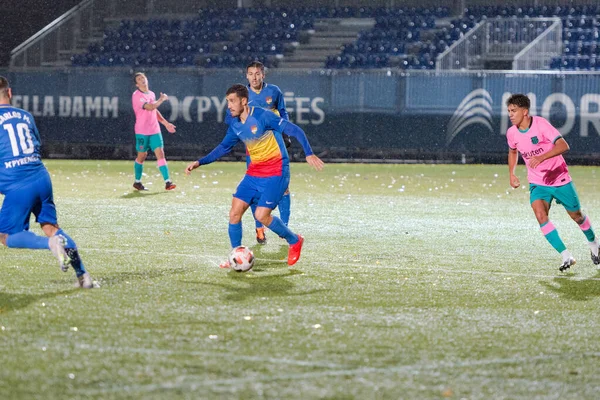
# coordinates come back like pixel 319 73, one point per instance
pixel 264 192
pixel 35 198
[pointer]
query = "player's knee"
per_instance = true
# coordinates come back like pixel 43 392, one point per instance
pixel 235 216
pixel 262 215
pixel 541 216
pixel 578 217
pixel 3 237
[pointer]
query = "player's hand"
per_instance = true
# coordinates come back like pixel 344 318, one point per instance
pixel 163 97
pixel 315 161
pixel 514 181
pixel 191 167
pixel 535 161
pixel 170 127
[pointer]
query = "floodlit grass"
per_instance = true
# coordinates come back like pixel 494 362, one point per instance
pixel 415 282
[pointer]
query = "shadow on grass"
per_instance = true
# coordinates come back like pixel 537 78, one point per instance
pixel 139 194
pixel 575 289
pixel 270 259
pixel 13 301
pixel 248 284
pixel 130 276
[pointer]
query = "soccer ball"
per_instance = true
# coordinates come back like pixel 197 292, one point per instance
pixel 241 259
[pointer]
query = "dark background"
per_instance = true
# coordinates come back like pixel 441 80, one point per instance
pixel 20 19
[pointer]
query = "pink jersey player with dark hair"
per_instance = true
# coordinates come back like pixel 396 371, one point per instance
pixel 541 146
pixel 147 130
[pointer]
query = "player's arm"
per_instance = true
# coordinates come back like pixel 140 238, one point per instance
pixel 294 130
pixel 153 106
pixel 513 158
pixel 35 132
pixel 222 149
pixel 560 146
pixel 280 103
pixel 170 127
pixel 281 106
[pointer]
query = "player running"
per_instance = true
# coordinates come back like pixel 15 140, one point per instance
pixel 147 130
pixel 268 174
pixel 261 94
pixel 542 146
pixel 27 190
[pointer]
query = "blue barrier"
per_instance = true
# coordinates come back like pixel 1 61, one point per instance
pixel 381 114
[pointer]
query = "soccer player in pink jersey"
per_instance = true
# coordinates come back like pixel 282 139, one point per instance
pixel 541 147
pixel 147 130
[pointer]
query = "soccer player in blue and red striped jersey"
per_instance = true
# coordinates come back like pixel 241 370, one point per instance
pixel 27 189
pixel 268 174
pixel 262 94
pixel 265 95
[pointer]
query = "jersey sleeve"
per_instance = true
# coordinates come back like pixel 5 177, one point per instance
pixel 35 132
pixel 548 131
pixel 135 101
pixel 280 101
pixel 297 132
pixel 222 148
pixel 510 138
pixel 273 121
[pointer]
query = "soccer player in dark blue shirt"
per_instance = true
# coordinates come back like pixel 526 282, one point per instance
pixel 27 189
pixel 268 174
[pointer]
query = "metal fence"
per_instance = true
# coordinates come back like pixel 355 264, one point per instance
pixel 503 39
pixel 539 53
pixel 60 37
pixel 466 53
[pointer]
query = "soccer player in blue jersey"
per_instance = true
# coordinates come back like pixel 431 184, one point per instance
pixel 27 189
pixel 268 174
pixel 270 97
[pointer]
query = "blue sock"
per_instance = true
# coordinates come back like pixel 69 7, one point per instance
pixel 257 222
pixel 284 208
pixel 26 240
pixel 71 249
pixel 235 234
pixel 279 228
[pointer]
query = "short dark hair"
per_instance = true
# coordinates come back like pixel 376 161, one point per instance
pixel 4 86
pixel 240 90
pixel 136 75
pixel 256 64
pixel 519 100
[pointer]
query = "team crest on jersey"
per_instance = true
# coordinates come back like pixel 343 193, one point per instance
pixel 269 100
pixel 254 129
pixel 535 140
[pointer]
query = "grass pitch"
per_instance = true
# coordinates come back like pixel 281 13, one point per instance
pixel 415 282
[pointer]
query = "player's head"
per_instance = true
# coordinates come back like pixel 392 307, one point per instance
pixel 140 80
pixel 518 108
pixel 237 99
pixel 5 91
pixel 255 73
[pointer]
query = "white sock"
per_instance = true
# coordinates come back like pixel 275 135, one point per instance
pixel 566 255
pixel 594 247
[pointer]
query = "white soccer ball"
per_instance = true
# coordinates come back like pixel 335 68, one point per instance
pixel 241 259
